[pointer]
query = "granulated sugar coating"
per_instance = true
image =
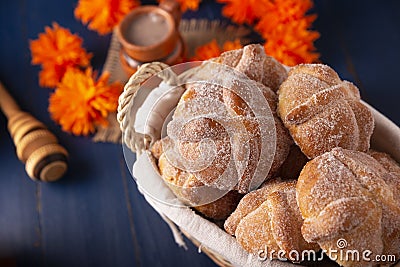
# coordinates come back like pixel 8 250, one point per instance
pixel 269 218
pixel 348 194
pixel 322 112
pixel 249 203
pixel 252 61
pixel 237 114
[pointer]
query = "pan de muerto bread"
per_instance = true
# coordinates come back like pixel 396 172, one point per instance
pixel 322 112
pixel 349 201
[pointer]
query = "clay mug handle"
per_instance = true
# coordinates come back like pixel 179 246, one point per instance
pixel 173 8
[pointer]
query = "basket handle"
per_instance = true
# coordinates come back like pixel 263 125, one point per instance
pixel 126 115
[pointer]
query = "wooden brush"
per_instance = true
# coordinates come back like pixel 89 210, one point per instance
pixel 45 159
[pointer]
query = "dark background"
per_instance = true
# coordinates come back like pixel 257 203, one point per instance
pixel 95 216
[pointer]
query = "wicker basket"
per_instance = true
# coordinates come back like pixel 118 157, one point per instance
pixel 386 138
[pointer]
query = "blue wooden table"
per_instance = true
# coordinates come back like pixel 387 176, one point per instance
pixel 95 216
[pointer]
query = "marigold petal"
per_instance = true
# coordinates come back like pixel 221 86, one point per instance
pixel 240 11
pixel 207 51
pixel 212 49
pixel 286 29
pixel 57 49
pixel 187 4
pixel 103 15
pixel 232 45
pixel 79 102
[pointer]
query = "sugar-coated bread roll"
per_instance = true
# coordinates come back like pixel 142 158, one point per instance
pixel 269 219
pixel 199 129
pixel 185 186
pixel 258 66
pixel 322 112
pixel 230 134
pixel 221 208
pixel 349 201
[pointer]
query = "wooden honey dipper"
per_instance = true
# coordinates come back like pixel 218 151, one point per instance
pixel 45 159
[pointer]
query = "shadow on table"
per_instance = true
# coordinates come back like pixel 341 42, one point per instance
pixel 7 262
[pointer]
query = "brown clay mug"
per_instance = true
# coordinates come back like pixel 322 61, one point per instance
pixel 150 33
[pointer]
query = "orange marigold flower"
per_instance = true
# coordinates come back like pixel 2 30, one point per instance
pixel 285 27
pixel 80 102
pixel 212 49
pixel 240 11
pixel 292 45
pixel 103 15
pixel 188 4
pixel 57 49
pixel 51 74
pixel 283 12
pixel 231 45
pixel 207 51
